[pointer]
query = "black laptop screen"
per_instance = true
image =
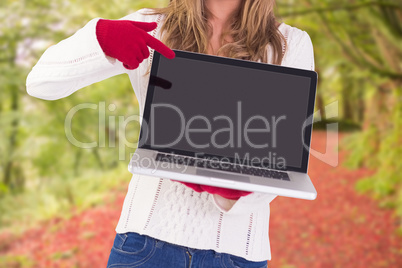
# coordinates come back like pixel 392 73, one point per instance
pixel 224 108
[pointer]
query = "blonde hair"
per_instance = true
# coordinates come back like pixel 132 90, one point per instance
pixel 252 29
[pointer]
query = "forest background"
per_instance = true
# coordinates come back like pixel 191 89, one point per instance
pixel 358 55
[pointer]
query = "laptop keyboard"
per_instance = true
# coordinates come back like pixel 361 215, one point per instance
pixel 224 166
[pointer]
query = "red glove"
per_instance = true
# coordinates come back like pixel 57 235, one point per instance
pixel 226 193
pixel 128 41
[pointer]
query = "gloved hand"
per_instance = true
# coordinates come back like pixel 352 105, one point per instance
pixel 128 41
pixel 226 193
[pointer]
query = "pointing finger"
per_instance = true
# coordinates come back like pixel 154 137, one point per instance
pixel 146 26
pixel 160 47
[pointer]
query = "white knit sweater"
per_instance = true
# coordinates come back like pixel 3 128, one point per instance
pixel 157 207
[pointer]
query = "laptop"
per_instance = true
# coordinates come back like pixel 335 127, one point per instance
pixel 228 123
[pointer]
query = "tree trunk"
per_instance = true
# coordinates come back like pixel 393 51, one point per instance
pixel 7 179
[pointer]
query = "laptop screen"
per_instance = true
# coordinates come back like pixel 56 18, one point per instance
pixel 220 108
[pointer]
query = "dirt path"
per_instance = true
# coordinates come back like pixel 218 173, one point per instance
pixel 339 229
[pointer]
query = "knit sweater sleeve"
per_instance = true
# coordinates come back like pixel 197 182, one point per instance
pixel 300 52
pixel 72 64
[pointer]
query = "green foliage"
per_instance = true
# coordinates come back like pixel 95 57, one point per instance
pixel 11 261
pixel 50 198
pixel 361 148
pixel 385 184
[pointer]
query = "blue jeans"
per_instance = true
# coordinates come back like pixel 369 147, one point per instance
pixel 134 250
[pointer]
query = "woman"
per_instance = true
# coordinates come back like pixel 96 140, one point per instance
pixel 165 223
